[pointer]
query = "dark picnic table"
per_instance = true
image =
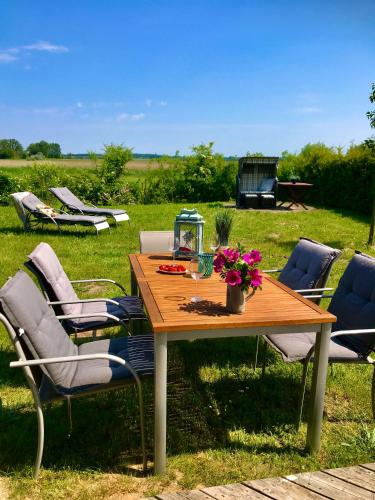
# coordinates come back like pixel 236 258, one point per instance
pixel 296 192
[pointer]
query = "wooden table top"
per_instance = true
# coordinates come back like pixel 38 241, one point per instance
pixel 167 299
pixel 295 184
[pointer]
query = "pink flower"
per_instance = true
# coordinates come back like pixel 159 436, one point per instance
pixel 233 278
pixel 256 256
pixel 231 254
pixel 255 277
pixel 248 259
pixel 219 262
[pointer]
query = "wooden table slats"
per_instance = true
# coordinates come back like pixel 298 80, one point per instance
pixel 168 301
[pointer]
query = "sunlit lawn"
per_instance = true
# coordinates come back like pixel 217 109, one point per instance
pixel 225 423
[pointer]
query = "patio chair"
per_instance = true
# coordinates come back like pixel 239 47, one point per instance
pixel 353 337
pixel 257 182
pixel 80 315
pixel 154 241
pixel 71 203
pixel 306 272
pixel 57 369
pixel 33 212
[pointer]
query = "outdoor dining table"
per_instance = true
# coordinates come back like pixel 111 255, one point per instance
pixel 296 192
pixel 172 315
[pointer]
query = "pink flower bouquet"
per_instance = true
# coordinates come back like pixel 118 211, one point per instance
pixel 239 268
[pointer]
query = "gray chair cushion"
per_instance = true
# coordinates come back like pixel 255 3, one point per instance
pixel 267 185
pixel 131 308
pixel 26 308
pixel 46 261
pixel 354 303
pixel 46 264
pixel 138 351
pixel 307 264
pixel 295 347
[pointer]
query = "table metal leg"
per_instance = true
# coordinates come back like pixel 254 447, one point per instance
pixel 160 402
pixel 318 388
pixel 133 283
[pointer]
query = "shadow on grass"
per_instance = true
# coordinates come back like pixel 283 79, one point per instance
pixel 54 232
pixel 10 377
pixel 212 393
pixel 105 434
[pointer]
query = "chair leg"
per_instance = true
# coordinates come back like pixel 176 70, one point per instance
pixel 302 393
pixel 256 353
pixel 94 334
pixel 265 349
pixel 373 393
pixel 40 419
pixel 69 407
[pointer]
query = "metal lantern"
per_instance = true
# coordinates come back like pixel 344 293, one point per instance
pixel 188 234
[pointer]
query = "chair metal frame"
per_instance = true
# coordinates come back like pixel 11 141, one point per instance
pixel 74 208
pixel 26 365
pixel 34 218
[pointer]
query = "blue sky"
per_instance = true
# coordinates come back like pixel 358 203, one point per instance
pixel 161 76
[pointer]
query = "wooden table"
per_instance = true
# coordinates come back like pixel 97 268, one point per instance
pixel 296 192
pixel 274 309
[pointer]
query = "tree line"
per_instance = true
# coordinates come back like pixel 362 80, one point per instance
pixel 13 149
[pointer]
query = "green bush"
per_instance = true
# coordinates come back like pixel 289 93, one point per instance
pixel 344 181
pixel 8 185
pixel 202 176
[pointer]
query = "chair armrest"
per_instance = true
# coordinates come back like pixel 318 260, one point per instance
pixel 309 290
pixel 351 332
pixel 319 296
pixel 83 301
pixel 269 271
pixel 101 280
pixel 343 332
pixel 79 357
pixel 92 315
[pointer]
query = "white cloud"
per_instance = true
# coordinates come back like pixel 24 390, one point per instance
pixel 6 58
pixel 48 110
pixel 148 102
pixel 163 104
pixel 121 117
pixel 137 117
pixel 79 104
pixel 309 109
pixel 44 46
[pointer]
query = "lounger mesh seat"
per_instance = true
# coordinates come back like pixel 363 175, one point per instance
pixel 51 275
pixel 37 335
pixel 27 206
pixel 74 204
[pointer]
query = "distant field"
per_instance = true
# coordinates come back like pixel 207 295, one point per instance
pixel 74 163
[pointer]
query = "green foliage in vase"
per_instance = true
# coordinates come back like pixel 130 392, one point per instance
pixel 223 225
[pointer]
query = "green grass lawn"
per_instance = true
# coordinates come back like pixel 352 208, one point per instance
pixel 225 423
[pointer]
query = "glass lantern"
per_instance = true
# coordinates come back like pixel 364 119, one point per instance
pixel 188 233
